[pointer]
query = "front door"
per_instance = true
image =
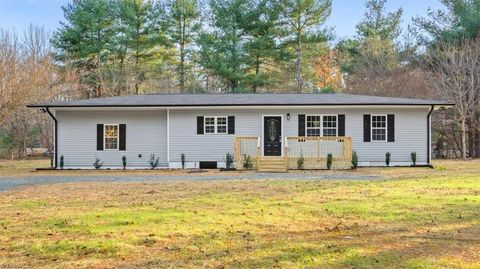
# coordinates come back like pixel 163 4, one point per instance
pixel 272 136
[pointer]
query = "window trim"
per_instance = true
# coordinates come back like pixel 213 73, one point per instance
pixel 321 124
pixel 215 125
pixel 105 137
pixel 371 127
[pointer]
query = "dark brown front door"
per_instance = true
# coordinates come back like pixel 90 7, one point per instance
pixel 272 136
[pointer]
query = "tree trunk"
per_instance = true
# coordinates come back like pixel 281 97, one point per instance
pixel 182 57
pixel 298 64
pixel 464 139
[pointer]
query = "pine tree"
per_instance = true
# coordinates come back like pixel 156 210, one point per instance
pixel 86 38
pixel 139 24
pixel 302 20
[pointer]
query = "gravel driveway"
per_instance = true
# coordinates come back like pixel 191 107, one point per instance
pixel 7 183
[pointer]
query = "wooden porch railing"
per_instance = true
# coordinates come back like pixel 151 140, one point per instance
pixel 247 145
pixel 314 150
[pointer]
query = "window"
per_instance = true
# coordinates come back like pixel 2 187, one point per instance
pixel 318 125
pixel 221 125
pixel 313 125
pixel 216 125
pixel 330 125
pixel 379 127
pixel 209 125
pixel 111 136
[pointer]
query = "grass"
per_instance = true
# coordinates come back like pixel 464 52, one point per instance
pixel 420 218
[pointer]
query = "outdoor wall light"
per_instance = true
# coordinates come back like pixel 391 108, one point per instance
pixel 288 116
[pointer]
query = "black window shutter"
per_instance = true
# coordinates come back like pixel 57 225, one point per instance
pixel 301 125
pixel 391 128
pixel 99 136
pixel 366 128
pixel 200 125
pixel 123 137
pixel 231 124
pixel 341 125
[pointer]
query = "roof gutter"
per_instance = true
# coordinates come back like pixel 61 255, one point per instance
pixel 47 110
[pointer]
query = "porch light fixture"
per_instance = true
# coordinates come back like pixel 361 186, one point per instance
pixel 288 116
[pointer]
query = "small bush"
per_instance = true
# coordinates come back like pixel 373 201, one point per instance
pixel 98 163
pixel 301 162
pixel 329 161
pixel 124 162
pixel 184 160
pixel 387 158
pixel 354 160
pixel 247 162
pixel 62 162
pixel 153 161
pixel 413 156
pixel 229 161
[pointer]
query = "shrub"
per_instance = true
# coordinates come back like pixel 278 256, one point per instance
pixel 62 162
pixel 247 162
pixel 329 161
pixel 413 155
pixel 354 160
pixel 98 163
pixel 124 162
pixel 387 158
pixel 301 162
pixel 229 161
pixel 153 161
pixel 184 160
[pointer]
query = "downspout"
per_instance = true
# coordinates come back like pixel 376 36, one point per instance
pixel 47 110
pixel 429 137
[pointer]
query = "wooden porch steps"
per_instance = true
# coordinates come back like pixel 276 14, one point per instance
pixel 272 164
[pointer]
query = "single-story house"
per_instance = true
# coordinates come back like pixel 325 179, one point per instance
pixel 198 130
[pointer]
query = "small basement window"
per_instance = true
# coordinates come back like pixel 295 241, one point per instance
pixel 208 165
pixel 110 136
pixel 379 128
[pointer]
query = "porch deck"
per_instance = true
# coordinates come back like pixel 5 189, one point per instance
pixel 313 151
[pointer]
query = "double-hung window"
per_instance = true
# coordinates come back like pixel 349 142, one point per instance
pixel 379 128
pixel 329 125
pixel 321 125
pixel 111 135
pixel 216 125
pixel 314 125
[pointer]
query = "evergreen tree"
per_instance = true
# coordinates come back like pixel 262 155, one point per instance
pixel 183 25
pixel 302 20
pixel 139 34
pixel 459 21
pixel 378 23
pixel 86 39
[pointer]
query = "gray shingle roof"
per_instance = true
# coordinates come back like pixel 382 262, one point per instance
pixel 189 100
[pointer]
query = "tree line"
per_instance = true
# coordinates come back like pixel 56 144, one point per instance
pixel 119 47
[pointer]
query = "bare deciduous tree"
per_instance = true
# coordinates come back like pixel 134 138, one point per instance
pixel 454 74
pixel 27 72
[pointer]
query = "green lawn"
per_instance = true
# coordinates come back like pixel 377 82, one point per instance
pixel 421 218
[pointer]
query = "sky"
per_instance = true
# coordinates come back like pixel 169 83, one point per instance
pixel 18 14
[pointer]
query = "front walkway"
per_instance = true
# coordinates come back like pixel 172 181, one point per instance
pixel 7 183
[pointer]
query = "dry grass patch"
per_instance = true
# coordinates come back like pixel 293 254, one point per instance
pixel 424 219
pixel 429 221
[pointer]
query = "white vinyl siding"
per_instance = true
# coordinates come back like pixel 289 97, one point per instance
pixel 410 132
pixel 77 137
pixel 147 134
